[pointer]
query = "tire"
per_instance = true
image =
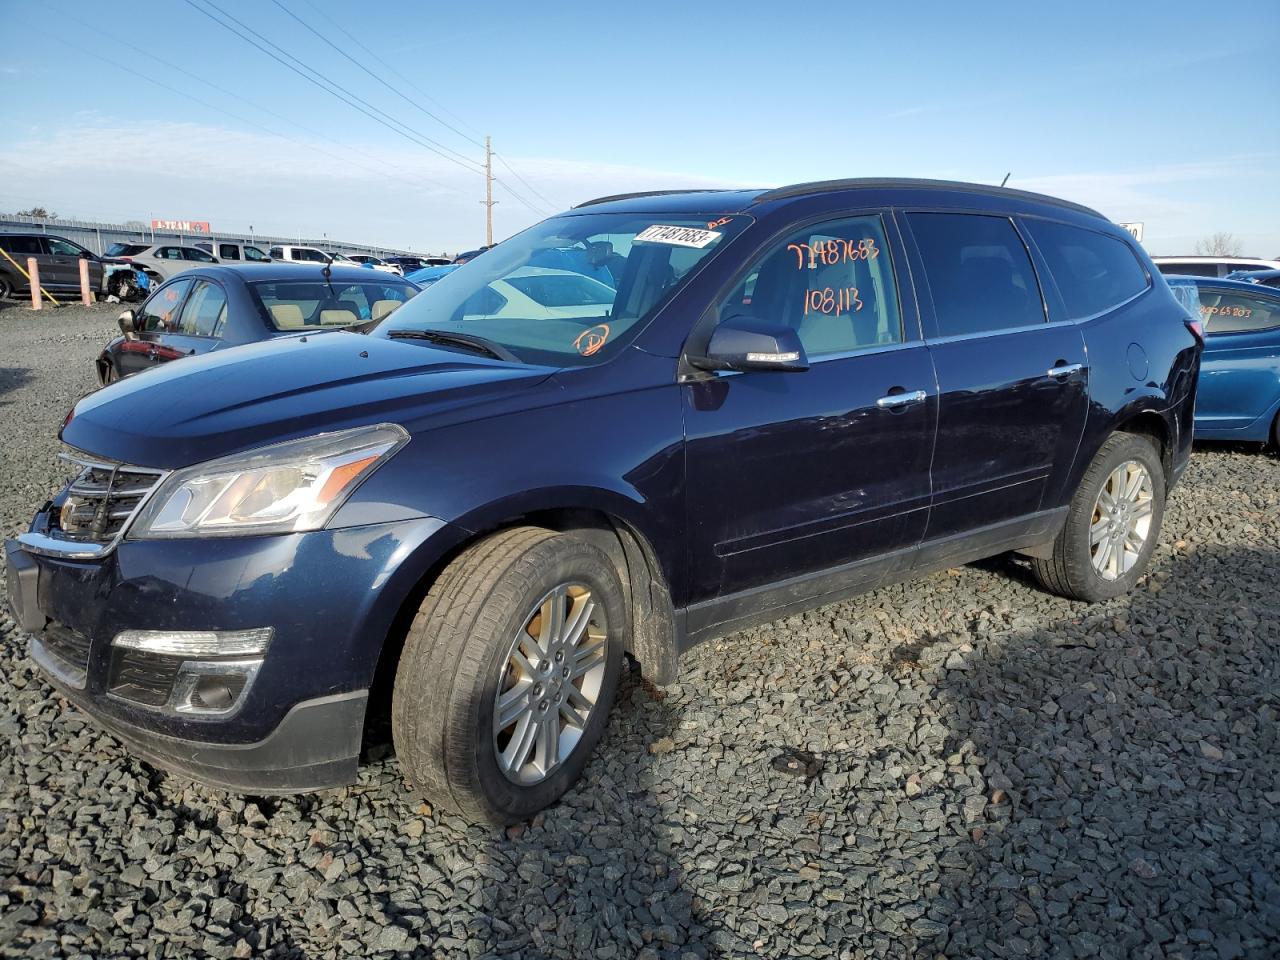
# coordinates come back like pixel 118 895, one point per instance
pixel 6 288
pixel 1072 569
pixel 458 654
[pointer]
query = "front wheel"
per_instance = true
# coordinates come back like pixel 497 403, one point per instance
pixel 508 673
pixel 6 288
pixel 1112 523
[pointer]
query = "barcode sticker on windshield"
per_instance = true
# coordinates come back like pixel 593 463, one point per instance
pixel 678 236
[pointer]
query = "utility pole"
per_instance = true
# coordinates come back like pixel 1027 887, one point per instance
pixel 488 200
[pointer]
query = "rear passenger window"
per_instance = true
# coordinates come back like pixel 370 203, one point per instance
pixel 979 273
pixel 29 246
pixel 1224 312
pixel 205 310
pixel 1094 272
pixel 832 283
pixel 228 251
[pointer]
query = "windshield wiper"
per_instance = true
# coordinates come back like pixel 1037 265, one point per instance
pixel 466 340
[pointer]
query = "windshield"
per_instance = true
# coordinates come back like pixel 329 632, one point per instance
pixel 571 290
pixel 124 249
pixel 311 304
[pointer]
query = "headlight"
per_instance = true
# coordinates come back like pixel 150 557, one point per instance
pixel 284 488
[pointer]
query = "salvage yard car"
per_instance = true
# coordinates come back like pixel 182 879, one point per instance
pixel 1239 393
pixel 159 261
pixel 469 518
pixel 213 308
pixel 57 258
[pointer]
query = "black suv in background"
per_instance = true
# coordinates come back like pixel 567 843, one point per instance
pixel 640 424
pixel 57 257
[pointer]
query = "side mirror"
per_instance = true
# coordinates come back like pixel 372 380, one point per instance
pixel 744 343
pixel 127 322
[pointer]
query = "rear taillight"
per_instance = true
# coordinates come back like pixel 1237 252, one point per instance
pixel 1197 330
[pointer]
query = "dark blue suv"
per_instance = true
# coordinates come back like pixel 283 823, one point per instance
pixel 651 420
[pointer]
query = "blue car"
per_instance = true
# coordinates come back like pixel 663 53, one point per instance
pixel 429 275
pixel 1239 396
pixel 1270 278
pixel 466 515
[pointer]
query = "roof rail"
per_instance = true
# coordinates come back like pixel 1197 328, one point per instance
pixel 883 183
pixel 647 193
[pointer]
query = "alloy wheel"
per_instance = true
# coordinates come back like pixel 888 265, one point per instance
pixel 1121 520
pixel 551 681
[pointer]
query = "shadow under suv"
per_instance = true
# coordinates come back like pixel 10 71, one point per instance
pixel 737 404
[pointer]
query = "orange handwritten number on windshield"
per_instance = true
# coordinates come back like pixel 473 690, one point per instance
pixel 831 252
pixel 590 341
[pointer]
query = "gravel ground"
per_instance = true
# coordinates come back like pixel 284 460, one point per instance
pixel 995 772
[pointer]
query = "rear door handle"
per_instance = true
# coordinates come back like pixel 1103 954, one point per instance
pixel 1065 370
pixel 895 400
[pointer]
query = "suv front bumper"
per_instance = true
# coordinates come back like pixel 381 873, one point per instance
pixel 330 596
pixel 316 746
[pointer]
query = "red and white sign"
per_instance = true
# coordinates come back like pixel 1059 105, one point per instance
pixel 181 226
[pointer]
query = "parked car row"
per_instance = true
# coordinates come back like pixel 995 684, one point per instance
pixel 215 307
pixel 130 270
pixel 647 422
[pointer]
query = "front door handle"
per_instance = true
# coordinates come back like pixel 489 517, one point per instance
pixel 895 400
pixel 1065 369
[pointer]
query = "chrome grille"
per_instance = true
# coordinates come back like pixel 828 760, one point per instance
pixel 101 500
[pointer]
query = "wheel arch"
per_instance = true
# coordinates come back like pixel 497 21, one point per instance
pixel 653 639
pixel 1153 425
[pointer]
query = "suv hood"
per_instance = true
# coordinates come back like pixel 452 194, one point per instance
pixel 192 410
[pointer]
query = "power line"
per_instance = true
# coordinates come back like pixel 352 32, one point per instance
pixel 507 187
pixel 394 72
pixel 332 88
pixel 407 176
pixel 549 203
pixel 409 100
pixel 322 81
pixel 157 80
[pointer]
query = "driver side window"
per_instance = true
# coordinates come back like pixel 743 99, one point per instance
pixel 831 282
pixel 62 248
pixel 160 313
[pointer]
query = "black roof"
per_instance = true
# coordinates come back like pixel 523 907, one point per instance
pixel 276 270
pixel 743 200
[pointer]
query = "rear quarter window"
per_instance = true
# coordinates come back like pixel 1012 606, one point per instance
pixel 1094 272
pixel 29 246
pixel 1230 312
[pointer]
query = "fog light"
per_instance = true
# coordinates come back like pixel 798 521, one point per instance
pixel 212 689
pixel 197 643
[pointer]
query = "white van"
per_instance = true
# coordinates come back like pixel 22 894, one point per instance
pixel 291 254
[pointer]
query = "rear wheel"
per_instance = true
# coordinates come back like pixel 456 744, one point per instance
pixel 508 673
pixel 1112 524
